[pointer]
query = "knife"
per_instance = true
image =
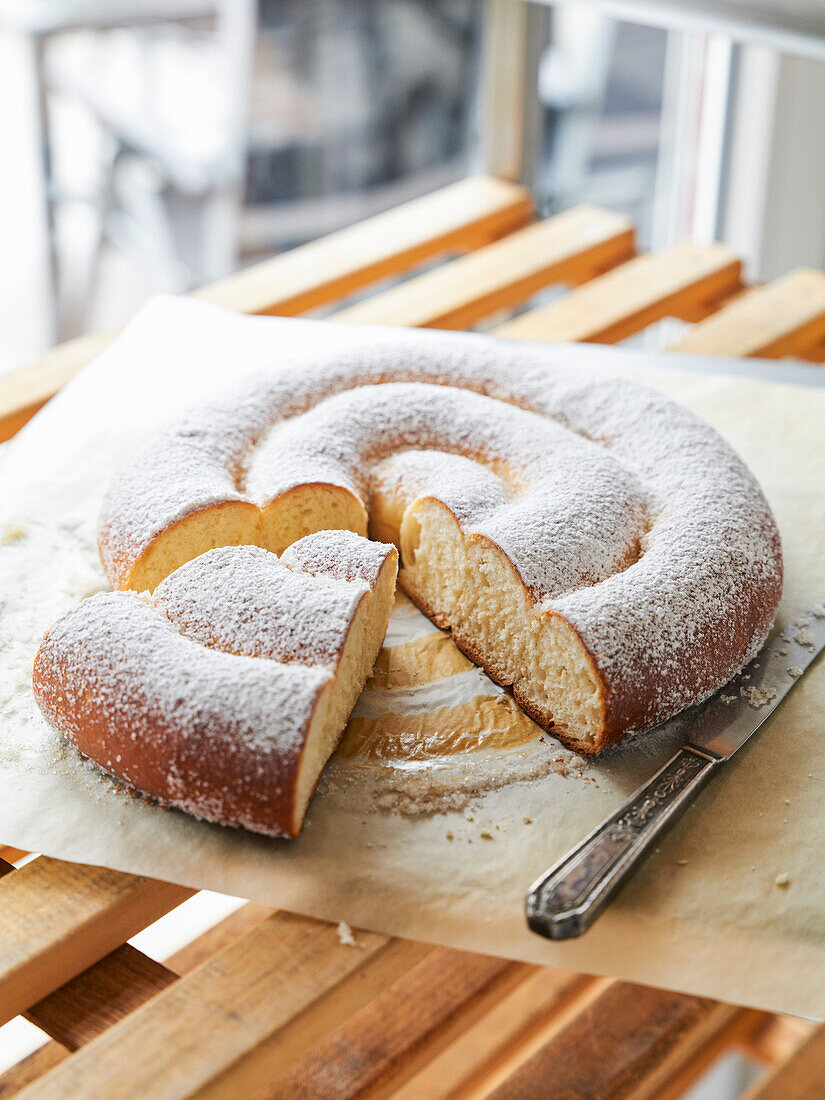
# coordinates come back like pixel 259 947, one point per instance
pixel 565 901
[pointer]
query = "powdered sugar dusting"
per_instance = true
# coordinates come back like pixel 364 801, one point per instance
pixel 565 492
pixel 243 600
pixel 621 511
pixel 216 676
pixel 115 653
pixel 342 555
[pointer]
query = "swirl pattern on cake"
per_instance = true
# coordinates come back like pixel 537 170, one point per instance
pixel 586 541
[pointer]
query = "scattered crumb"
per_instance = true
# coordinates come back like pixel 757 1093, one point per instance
pixel 727 699
pixel 784 821
pixel 528 820
pixel 345 935
pixel 486 835
pixel 794 671
pixel 450 834
pixel 783 652
pixel 787 801
pixel 783 880
pixel 805 638
pixel 819 611
pixel 681 862
pixel 758 697
pixel 468 818
pixel 13 533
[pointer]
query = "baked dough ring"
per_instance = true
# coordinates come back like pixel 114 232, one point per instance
pixel 587 541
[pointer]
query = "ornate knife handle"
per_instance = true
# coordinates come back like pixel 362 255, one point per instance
pixel 566 900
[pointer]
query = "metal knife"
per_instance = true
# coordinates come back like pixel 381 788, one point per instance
pixel 565 901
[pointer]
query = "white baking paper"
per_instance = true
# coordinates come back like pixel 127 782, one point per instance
pixel 704 915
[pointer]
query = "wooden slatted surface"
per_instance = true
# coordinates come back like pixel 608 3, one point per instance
pixel 224 1026
pixel 652 1037
pixel 681 282
pixel 56 919
pixel 275 1005
pixel 801 1077
pixel 376 1049
pixel 571 248
pixel 456 219
pixel 785 317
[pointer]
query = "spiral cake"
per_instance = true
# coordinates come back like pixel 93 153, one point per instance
pixel 226 691
pixel 586 541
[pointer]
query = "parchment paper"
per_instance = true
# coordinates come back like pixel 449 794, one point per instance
pixel 705 914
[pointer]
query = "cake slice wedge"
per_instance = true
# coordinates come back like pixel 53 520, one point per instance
pixel 226 691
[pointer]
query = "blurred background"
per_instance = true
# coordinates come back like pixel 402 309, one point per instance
pixel 152 146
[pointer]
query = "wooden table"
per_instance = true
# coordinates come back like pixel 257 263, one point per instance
pixel 274 1005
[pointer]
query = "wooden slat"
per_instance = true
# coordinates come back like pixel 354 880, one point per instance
pixel 84 1007
pixel 97 998
pixel 238 1019
pixel 786 317
pixel 30 1069
pixel 815 354
pixel 11 855
pixel 690 1061
pixel 681 282
pixel 105 992
pixel 215 939
pixel 459 217
pixel 571 247
pixel 801 1078
pixel 407 1024
pixel 776 1038
pixel 626 1044
pixel 489 1051
pixel 57 919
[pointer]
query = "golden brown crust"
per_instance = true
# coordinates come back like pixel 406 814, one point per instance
pixel 159 558
pixel 218 786
pixel 193 717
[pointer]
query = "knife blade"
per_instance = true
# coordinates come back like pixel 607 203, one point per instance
pixel 565 901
